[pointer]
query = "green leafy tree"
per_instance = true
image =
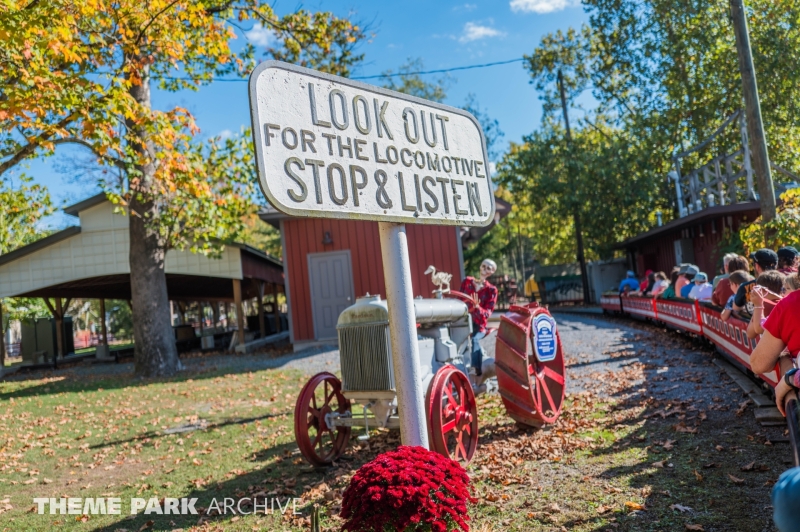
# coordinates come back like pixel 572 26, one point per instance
pixel 24 205
pixel 663 75
pixel 491 127
pixel 784 229
pixel 261 235
pixel 83 73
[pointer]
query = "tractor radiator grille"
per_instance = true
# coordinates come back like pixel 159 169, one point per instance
pixel 364 356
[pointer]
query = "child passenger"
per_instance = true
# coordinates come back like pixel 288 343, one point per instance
pixel 764 300
pixel 737 279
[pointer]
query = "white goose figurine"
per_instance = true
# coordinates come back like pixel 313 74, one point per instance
pixel 439 279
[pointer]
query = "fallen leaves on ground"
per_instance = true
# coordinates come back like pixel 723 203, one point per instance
pixel 633 506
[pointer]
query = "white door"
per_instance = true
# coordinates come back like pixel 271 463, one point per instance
pixel 331 280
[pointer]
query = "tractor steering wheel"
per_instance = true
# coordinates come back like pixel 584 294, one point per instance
pixel 461 296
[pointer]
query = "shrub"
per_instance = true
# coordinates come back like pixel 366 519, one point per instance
pixel 408 489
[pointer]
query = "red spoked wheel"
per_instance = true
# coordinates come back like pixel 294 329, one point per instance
pixel 532 389
pixel 319 443
pixel 452 415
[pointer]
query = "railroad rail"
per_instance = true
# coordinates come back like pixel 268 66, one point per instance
pixel 703 319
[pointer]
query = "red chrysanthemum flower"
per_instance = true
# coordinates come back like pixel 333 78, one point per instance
pixel 408 489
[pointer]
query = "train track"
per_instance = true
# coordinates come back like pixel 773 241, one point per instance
pixel 704 320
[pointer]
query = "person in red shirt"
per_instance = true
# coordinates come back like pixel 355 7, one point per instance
pixel 781 332
pixel 484 296
pixel 643 285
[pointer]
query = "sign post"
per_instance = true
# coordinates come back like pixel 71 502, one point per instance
pixel 329 147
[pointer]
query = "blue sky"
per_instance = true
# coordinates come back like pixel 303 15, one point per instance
pixel 444 34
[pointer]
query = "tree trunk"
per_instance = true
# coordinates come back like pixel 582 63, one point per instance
pixel 2 341
pixel 155 352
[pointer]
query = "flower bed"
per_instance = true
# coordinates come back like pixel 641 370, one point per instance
pixel 408 489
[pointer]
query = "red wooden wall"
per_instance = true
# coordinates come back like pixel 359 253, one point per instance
pixel 658 253
pixel 428 245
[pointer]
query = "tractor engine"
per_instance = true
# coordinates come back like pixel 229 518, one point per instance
pixel 365 349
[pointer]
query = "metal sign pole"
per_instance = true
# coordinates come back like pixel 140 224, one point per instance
pixel 403 333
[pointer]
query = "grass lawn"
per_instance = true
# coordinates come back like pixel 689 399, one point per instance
pixel 623 464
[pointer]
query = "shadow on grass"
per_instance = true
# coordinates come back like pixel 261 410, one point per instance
pixel 120 376
pixel 272 485
pixel 264 480
pixel 152 435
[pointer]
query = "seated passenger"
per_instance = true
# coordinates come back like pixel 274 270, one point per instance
pixel 764 260
pixel 790 284
pixel 764 297
pixel 651 282
pixel 646 282
pixel 722 289
pixel 661 283
pixel 788 259
pixel 691 271
pixel 737 279
pixel 669 292
pixel 781 332
pixel 726 271
pixel 630 282
pixel 702 289
pixel 681 281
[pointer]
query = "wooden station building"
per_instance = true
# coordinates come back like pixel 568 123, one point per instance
pixel 694 238
pixel 330 262
pixel 90 261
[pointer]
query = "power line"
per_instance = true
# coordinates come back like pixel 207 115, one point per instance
pixel 440 71
pixel 418 73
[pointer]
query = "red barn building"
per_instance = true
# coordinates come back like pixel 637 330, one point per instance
pixel 695 238
pixel 330 262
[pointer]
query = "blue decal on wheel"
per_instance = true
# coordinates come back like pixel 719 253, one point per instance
pixel 544 342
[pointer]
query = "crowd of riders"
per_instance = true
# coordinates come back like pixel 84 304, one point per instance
pixel 763 291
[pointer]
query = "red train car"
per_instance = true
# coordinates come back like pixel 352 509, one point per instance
pixel 611 303
pixel 699 318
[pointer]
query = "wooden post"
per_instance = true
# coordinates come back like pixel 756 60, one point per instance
pixel 201 316
pixel 262 327
pixel 215 313
pixel 275 308
pixel 755 125
pixel 59 315
pixel 2 340
pixel 104 330
pixel 237 303
pixel 182 312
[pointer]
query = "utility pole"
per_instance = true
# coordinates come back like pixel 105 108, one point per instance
pixel 755 126
pixel 576 217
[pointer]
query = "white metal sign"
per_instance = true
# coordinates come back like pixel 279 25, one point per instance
pixel 330 147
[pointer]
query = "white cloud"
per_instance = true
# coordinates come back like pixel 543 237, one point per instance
pixel 260 36
pixel 542 6
pixel 474 32
pixel 466 7
pixel 225 134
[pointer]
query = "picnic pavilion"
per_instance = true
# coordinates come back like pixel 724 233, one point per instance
pixel 90 261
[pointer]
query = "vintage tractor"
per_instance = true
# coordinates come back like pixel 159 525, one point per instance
pixel 529 365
